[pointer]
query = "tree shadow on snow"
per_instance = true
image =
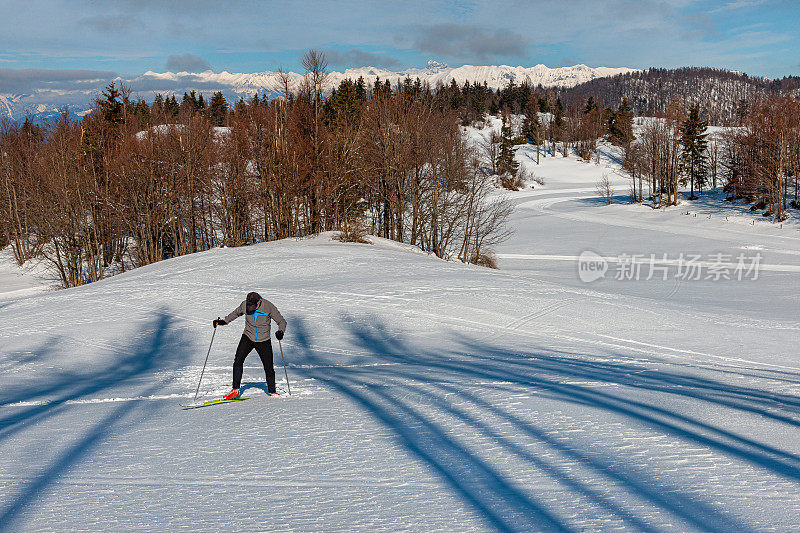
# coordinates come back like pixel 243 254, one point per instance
pixel 133 369
pixel 253 385
pixel 401 395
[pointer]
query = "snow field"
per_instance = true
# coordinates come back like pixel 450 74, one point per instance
pixel 425 395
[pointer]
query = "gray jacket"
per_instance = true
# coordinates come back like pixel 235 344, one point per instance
pixel 257 325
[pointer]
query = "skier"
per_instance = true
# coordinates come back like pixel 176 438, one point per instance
pixel 259 314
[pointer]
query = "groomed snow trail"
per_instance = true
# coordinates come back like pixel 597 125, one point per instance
pixel 426 395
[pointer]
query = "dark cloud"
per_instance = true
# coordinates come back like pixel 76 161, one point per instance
pixel 149 85
pixel 360 58
pixel 28 80
pixel 112 23
pixel 698 26
pixel 187 63
pixel 472 42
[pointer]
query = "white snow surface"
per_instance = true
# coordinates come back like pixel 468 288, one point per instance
pixel 426 395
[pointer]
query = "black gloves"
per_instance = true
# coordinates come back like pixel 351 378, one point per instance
pixel 219 322
pixel 279 334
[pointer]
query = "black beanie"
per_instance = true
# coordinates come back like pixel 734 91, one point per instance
pixel 252 302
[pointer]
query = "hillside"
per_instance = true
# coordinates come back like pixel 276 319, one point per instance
pixel 720 93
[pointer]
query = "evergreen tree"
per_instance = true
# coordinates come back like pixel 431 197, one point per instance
pixel 694 159
pixel 141 110
pixel 201 103
pixel 171 106
pixel 376 89
pixel 454 95
pixel 240 106
pixel 361 89
pixel 158 105
pixel 505 159
pixel 591 105
pixel 111 108
pixel 543 105
pixel 186 103
pixel 621 124
pixel 342 108
pixel 218 109
pixel 531 126
pixel 558 115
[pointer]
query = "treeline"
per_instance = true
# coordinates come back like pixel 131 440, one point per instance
pixel 758 161
pixel 132 184
pixel 723 95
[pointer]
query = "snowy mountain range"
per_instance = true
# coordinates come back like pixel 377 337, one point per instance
pixel 45 100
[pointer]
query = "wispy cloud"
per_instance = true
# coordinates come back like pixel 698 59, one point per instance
pixel 112 23
pixel 738 4
pixel 360 58
pixel 30 80
pixel 468 41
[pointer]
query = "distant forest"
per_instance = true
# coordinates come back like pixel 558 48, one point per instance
pixel 722 95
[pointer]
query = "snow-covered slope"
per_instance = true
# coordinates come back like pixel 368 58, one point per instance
pixel 425 395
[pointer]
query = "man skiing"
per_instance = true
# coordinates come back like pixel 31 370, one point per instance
pixel 259 314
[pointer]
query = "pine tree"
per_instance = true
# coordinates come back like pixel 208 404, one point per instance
pixel 621 124
pixel 171 106
pixel 193 98
pixel 240 106
pixel 110 106
pixel 158 105
pixel 361 89
pixel 694 159
pixel 455 95
pixel 591 105
pixel 558 115
pixel 342 109
pixel 543 106
pixel 531 126
pixel 505 159
pixel 218 109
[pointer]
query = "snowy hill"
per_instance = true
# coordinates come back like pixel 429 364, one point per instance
pixel 434 73
pixel 426 395
pixel 44 103
pixel 43 106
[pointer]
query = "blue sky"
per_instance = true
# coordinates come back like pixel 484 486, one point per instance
pixel 128 37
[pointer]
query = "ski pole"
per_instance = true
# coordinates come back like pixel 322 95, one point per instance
pixel 284 368
pixel 204 365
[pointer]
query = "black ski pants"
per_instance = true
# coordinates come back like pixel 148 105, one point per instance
pixel 264 350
